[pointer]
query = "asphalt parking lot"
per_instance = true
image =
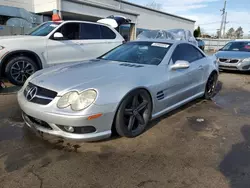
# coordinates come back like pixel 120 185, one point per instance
pixel 204 144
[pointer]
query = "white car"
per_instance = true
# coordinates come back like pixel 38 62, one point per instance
pixel 52 43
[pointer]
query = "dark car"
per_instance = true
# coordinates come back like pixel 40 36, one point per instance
pixel 201 44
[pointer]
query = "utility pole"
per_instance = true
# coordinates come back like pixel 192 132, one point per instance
pixel 223 16
pixel 225 24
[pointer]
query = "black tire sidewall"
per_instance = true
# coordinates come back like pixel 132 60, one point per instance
pixel 206 95
pixel 10 64
pixel 121 128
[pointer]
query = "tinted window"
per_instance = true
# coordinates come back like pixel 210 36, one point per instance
pixel 107 33
pixel 90 31
pixel 237 46
pixel 70 31
pixel 186 52
pixel 138 52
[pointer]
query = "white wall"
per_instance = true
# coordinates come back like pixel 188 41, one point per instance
pixel 84 9
pixel 44 5
pixel 148 19
pixel 26 4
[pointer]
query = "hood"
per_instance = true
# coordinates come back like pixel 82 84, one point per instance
pixel 87 74
pixel 19 37
pixel 232 55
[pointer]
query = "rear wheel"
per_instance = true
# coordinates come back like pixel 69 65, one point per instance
pixel 210 90
pixel 133 114
pixel 18 69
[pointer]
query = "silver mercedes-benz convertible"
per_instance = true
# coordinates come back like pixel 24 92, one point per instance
pixel 120 91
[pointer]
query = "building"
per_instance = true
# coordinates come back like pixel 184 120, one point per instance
pixel 92 10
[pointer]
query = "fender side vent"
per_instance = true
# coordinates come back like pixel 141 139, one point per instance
pixel 160 95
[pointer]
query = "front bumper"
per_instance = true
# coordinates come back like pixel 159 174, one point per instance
pixel 241 66
pixel 56 121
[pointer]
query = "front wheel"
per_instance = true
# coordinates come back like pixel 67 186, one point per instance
pixel 18 69
pixel 133 114
pixel 210 90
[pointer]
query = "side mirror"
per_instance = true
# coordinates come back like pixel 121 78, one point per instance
pixel 58 36
pixel 180 65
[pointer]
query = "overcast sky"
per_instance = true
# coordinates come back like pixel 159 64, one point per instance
pixel 207 12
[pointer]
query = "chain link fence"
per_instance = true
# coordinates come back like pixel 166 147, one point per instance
pixel 10 30
pixel 214 44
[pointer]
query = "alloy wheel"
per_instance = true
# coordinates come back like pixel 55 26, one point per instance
pixel 21 70
pixel 211 85
pixel 136 112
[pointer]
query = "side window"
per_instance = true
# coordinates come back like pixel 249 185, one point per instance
pixel 107 33
pixel 186 52
pixel 70 31
pixel 90 31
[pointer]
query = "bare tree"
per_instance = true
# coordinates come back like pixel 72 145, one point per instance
pixel 239 32
pixel 154 5
pixel 231 33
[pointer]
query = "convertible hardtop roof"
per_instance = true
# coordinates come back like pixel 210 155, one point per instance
pixel 160 41
pixel 171 35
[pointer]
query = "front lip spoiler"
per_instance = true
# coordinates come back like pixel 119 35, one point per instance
pixel 70 136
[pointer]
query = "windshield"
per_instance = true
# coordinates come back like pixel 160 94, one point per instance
pixel 237 46
pixel 150 53
pixel 44 29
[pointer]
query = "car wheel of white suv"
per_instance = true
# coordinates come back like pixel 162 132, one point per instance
pixel 18 69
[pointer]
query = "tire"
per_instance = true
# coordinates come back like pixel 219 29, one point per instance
pixel 133 114
pixel 210 90
pixel 19 68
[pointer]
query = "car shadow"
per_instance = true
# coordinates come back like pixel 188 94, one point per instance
pixel 167 115
pixel 182 108
pixel 236 164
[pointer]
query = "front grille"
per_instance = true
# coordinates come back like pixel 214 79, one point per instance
pixel 228 60
pixel 222 60
pixel 228 67
pixel 38 122
pixel 234 61
pixel 42 96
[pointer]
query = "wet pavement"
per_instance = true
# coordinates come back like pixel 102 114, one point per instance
pixel 203 144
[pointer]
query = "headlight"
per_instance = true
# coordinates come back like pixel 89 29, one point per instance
pixel 246 60
pixel 77 101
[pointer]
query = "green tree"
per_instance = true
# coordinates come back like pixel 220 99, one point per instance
pixel 197 32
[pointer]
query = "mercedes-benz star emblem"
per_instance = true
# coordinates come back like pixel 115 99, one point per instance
pixel 31 94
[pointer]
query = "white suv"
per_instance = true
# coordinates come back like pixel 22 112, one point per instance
pixel 52 43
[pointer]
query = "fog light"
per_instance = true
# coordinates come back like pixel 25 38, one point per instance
pixel 69 129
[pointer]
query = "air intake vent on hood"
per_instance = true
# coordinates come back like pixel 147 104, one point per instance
pixel 131 65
